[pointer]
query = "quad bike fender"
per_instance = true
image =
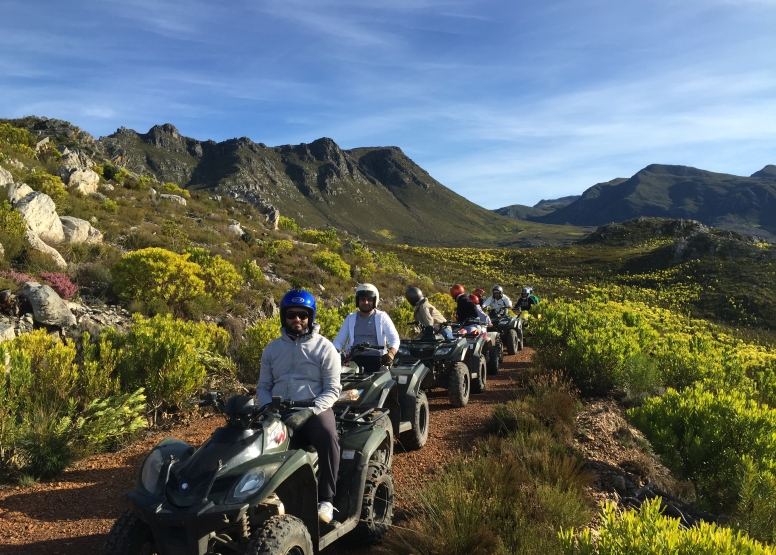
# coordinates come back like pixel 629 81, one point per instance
pixel 409 382
pixel 492 338
pixel 168 447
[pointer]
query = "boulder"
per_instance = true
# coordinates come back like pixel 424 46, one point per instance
pixel 79 231
pixel 5 177
pixel 38 245
pixel 7 331
pixel 17 191
pixel 174 198
pixel 47 307
pixel 40 214
pixel 83 181
pixel 107 187
pixel 236 229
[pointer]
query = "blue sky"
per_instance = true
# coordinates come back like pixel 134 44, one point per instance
pixel 503 102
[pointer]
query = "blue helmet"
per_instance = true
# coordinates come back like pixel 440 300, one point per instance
pixel 299 298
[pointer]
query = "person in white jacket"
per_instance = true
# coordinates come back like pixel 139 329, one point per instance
pixel 497 300
pixel 368 325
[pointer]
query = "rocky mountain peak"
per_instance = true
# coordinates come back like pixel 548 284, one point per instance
pixel 768 171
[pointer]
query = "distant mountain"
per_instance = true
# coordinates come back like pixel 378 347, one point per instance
pixel 541 208
pixel 743 204
pixel 377 193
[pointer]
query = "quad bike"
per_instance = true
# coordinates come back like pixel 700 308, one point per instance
pixel 396 388
pixel 482 346
pixel 509 328
pixel 446 358
pixel 250 490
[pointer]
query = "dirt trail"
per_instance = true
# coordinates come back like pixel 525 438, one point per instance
pixel 72 514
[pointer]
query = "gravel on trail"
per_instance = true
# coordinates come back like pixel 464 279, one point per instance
pixel 71 514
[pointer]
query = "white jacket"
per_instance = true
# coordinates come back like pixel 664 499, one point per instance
pixel 497 304
pixel 386 331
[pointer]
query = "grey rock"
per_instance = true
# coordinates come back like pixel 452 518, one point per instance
pixel 7 331
pixel 5 177
pixel 107 187
pixel 17 191
pixel 236 229
pixel 268 307
pixel 40 214
pixel 76 172
pixel 80 231
pixel 174 198
pixel 48 307
pixel 39 245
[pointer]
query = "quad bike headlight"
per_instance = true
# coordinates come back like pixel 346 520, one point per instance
pixel 350 395
pixel 444 351
pixel 403 351
pixel 152 467
pixel 251 482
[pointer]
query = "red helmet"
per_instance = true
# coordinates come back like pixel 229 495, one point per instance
pixel 474 298
pixel 457 290
pixel 479 292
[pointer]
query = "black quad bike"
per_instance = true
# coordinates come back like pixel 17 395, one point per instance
pixel 509 328
pixel 447 360
pixel 250 490
pixel 396 388
pixel 484 356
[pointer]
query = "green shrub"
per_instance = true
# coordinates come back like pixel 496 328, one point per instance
pixel 287 224
pixel 162 354
pixel 330 319
pixel 332 263
pixel 648 532
pixel 755 512
pixel 402 315
pixel 277 249
pixel 252 273
pixel 175 190
pixel 258 337
pixel 110 206
pixel 444 303
pixel 16 136
pixel 328 238
pixel 221 278
pixel 702 436
pixel 49 184
pixel 157 274
pixel 13 230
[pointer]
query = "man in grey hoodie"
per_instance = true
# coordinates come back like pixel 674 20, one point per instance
pixel 302 365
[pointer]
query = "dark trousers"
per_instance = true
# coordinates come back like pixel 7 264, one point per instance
pixel 321 432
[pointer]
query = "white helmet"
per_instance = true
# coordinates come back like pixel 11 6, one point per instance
pixel 368 290
pixel 526 292
pixel 497 289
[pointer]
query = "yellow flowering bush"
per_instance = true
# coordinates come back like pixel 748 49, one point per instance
pixel 221 278
pixel 332 263
pixel 157 274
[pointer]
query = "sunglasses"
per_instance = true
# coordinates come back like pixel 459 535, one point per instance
pixel 295 315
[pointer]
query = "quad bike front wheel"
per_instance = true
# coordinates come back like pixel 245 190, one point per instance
pixel 520 339
pixel 376 506
pixel 510 342
pixel 281 535
pixel 129 536
pixel 416 437
pixel 459 385
pixel 384 453
pixel 479 383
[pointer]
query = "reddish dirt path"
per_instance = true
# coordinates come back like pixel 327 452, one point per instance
pixel 71 514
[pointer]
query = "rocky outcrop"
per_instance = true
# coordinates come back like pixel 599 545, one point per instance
pixel 40 214
pixel 79 231
pixel 76 172
pixel 47 307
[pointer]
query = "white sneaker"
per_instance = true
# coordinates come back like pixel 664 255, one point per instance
pixel 325 511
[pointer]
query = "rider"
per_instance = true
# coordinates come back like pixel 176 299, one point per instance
pixel 427 314
pixel 480 293
pixel 484 318
pixel 497 300
pixel 369 325
pixel 465 309
pixel 527 299
pixel 303 365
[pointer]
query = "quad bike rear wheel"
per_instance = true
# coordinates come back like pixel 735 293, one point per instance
pixel 495 354
pixel 416 437
pixel 480 382
pixel 129 536
pixel 281 535
pixel 510 342
pixel 459 385
pixel 376 505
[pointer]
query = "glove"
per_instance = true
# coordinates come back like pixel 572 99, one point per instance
pixel 386 359
pixel 298 418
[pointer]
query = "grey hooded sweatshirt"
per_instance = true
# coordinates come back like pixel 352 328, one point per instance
pixel 303 369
